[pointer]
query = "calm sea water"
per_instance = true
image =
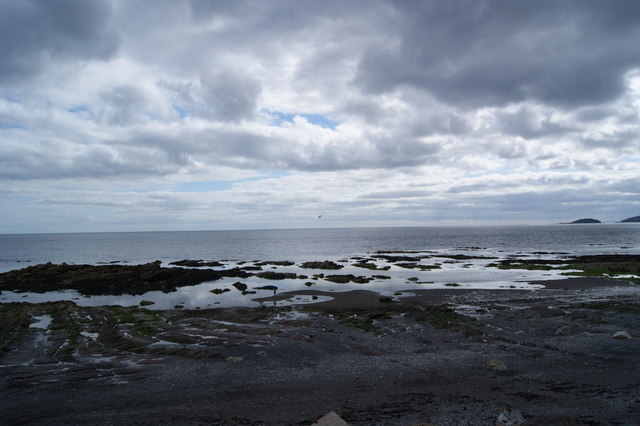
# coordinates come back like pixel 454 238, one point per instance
pixel 18 251
pixel 342 245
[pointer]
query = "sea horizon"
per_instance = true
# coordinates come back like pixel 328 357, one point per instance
pixel 462 225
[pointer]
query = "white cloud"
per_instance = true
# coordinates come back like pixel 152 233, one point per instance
pixel 441 112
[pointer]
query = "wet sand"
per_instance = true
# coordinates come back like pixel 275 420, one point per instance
pixel 422 359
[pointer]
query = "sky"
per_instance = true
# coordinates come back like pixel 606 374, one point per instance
pixel 141 115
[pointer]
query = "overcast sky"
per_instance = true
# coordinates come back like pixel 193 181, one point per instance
pixel 131 115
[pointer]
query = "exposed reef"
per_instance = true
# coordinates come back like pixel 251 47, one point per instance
pixel 109 279
pixel 602 265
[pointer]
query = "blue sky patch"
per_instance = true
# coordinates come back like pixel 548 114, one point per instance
pixel 221 185
pixel 6 126
pixel 78 109
pixel 181 111
pixel 317 119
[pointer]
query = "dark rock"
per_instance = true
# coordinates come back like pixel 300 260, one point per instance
pixel 326 264
pixel 109 279
pixel 267 287
pixel 240 286
pixel 275 263
pixel 343 279
pixel 271 275
pixel 196 263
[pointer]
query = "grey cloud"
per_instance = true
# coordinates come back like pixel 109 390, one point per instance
pixel 614 140
pixel 121 105
pixel 408 193
pixel 56 161
pixel 231 96
pixel 527 124
pixel 35 33
pixel 493 52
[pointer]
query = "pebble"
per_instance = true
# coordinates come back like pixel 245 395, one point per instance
pixel 496 364
pixel 621 335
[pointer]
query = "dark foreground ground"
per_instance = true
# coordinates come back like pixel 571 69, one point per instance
pixel 422 360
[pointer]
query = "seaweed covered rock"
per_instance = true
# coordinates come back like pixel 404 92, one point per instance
pixel 109 279
pixel 325 264
pixel 197 263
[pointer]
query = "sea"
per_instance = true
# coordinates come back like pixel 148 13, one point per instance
pixel 343 245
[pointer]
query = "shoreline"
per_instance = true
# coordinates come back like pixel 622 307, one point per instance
pixel 429 355
pixel 200 284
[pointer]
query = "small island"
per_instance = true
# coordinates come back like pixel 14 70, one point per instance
pixel 585 220
pixel 631 219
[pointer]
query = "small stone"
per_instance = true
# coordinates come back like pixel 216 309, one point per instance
pixel 234 359
pixel 146 303
pixel 330 419
pixel 510 417
pixel 261 353
pixel 621 335
pixel 497 365
pixel 121 382
pixel 563 331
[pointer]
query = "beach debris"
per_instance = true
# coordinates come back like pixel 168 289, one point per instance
pixel 234 359
pixel 510 417
pixel 562 331
pixel 621 335
pixel 330 419
pixel 496 364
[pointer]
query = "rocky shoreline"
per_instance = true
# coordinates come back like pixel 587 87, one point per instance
pixel 566 354
pixel 431 359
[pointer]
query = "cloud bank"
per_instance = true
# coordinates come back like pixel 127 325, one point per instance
pixel 140 115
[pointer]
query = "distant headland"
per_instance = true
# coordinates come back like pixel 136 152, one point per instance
pixel 586 220
pixel 591 220
pixel 632 219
